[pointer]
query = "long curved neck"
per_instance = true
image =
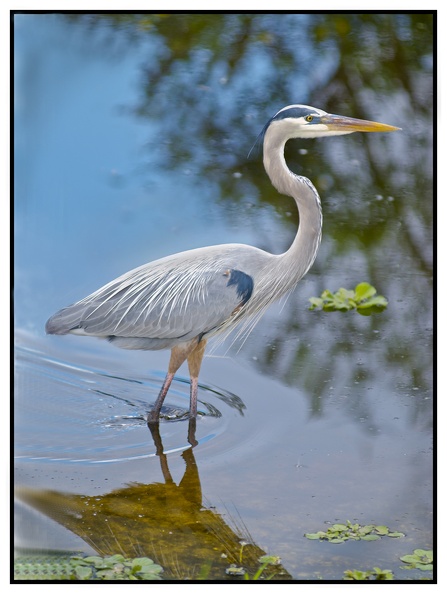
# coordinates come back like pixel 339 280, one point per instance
pixel 301 254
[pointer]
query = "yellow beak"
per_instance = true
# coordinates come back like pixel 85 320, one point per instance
pixel 345 124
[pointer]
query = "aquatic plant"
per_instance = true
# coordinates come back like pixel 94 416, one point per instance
pixel 338 533
pixel 363 299
pixel 78 567
pixel 375 574
pixel 238 570
pixel 420 559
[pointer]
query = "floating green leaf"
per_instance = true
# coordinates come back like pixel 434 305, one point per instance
pixel 375 574
pixel 382 530
pixel 339 527
pixel 420 559
pixel 338 533
pixel 264 561
pixel 93 567
pixel 96 561
pixel 83 572
pixel 234 570
pixel 363 299
pixel 269 560
pixel 356 574
pixel 315 535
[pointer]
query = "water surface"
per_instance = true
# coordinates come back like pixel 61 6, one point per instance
pixel 131 143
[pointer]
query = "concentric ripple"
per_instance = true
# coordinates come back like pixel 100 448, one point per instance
pixel 73 413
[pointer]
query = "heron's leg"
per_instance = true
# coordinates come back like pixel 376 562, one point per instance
pixel 194 363
pixel 179 354
pixel 154 415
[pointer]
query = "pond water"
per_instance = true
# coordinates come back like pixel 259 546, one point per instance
pixel 131 136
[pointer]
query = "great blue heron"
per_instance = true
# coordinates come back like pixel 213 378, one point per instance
pixel 180 301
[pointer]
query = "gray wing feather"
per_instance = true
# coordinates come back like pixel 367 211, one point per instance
pixel 179 297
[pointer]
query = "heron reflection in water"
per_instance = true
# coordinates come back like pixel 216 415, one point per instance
pixel 181 301
pixel 168 521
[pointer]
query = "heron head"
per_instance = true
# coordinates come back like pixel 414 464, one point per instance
pixel 304 121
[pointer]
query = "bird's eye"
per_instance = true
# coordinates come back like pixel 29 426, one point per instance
pixel 309 118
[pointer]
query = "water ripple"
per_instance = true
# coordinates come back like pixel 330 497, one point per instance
pixel 92 416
